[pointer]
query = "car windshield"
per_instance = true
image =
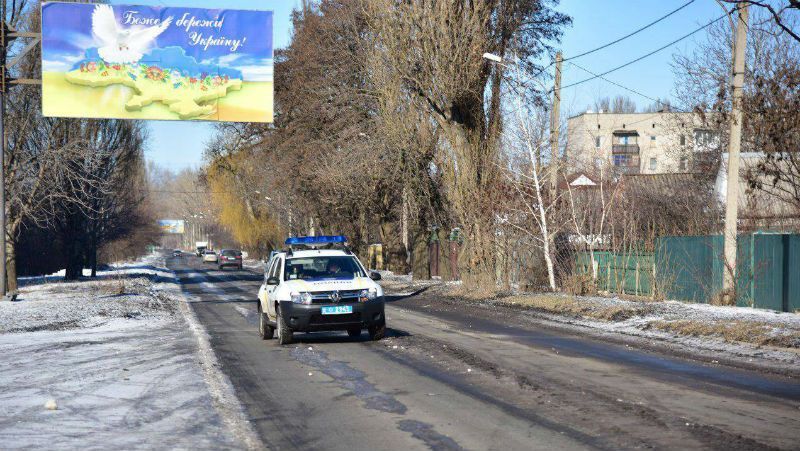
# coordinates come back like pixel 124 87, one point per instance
pixel 316 268
pixel 209 252
pixel 230 253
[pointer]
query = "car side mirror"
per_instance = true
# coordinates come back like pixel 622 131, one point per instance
pixel 273 281
pixel 375 276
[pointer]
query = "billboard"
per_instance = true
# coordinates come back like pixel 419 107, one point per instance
pixel 143 62
pixel 172 226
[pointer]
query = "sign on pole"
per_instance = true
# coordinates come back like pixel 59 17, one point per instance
pixel 172 226
pixel 143 62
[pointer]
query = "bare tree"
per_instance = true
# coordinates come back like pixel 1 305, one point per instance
pixel 779 12
pixel 434 50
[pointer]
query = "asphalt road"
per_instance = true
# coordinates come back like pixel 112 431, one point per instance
pixel 459 378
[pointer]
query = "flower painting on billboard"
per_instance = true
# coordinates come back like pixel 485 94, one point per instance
pixel 141 62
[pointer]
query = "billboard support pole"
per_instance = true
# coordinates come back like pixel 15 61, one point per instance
pixel 7 35
pixel 3 284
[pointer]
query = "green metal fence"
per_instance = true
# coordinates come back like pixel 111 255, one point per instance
pixel 630 273
pixel 692 269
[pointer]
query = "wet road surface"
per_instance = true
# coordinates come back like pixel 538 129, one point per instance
pixel 450 379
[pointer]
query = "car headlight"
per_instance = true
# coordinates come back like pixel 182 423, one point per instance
pixel 301 298
pixel 367 295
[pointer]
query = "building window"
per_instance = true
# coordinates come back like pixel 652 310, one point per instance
pixel 654 125
pixel 683 140
pixel 597 142
pixel 653 138
pixel 622 160
pixel 598 126
pixel 705 140
pixel 684 163
pixel 653 164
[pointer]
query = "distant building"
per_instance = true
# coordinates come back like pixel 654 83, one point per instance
pixel 641 143
pixel 664 152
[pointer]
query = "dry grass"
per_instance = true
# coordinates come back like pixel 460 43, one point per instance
pixel 112 287
pixel 580 285
pixel 564 305
pixel 721 299
pixel 476 293
pixel 752 332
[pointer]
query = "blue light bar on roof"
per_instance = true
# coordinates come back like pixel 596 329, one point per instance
pixel 315 240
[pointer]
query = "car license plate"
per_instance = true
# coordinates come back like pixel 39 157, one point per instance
pixel 337 310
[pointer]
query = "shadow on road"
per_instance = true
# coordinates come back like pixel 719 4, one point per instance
pixel 341 337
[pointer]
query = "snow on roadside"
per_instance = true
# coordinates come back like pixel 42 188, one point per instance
pixel 119 361
pixel 707 330
pixel 640 326
pixel 253 264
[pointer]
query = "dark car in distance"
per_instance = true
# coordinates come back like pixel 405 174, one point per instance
pixel 230 257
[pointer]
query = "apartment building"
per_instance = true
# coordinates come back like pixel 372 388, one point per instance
pixel 640 143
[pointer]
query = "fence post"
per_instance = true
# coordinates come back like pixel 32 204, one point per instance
pixel 455 240
pixel 653 283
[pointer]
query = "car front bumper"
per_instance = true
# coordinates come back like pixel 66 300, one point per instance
pixel 309 318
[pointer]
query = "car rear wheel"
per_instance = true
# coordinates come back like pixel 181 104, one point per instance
pixel 264 329
pixel 354 332
pixel 377 332
pixel 284 332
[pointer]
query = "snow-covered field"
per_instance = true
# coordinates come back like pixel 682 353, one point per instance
pixel 112 363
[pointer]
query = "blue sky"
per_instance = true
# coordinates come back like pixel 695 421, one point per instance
pixel 598 22
pixel 177 145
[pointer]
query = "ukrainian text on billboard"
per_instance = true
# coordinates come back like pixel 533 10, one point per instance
pixel 142 62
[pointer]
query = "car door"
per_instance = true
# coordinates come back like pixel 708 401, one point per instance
pixel 262 290
pixel 275 271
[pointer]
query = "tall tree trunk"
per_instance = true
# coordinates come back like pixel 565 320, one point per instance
pixel 11 266
pixel 93 255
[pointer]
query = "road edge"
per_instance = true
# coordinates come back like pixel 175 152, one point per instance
pixel 223 395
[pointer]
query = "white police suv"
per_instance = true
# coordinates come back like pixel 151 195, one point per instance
pixel 317 284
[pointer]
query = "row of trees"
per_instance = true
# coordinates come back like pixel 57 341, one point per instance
pixel 390 126
pixel 388 123
pixel 74 186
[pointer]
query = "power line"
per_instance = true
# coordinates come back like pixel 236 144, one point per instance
pixel 626 88
pixel 647 54
pixel 616 41
pixel 631 33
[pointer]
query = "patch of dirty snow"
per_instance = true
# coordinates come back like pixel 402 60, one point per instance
pixel 112 362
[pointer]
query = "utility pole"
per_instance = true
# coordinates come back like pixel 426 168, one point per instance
pixel 7 35
pixel 3 53
pixel 734 146
pixel 555 122
pixel 3 281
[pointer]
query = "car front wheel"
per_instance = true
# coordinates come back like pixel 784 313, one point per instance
pixel 264 329
pixel 377 332
pixel 284 332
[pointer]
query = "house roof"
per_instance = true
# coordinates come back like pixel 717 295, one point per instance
pixel 664 183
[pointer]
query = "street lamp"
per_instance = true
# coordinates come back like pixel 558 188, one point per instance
pixel 492 57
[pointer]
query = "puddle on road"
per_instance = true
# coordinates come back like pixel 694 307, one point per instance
pixel 355 382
